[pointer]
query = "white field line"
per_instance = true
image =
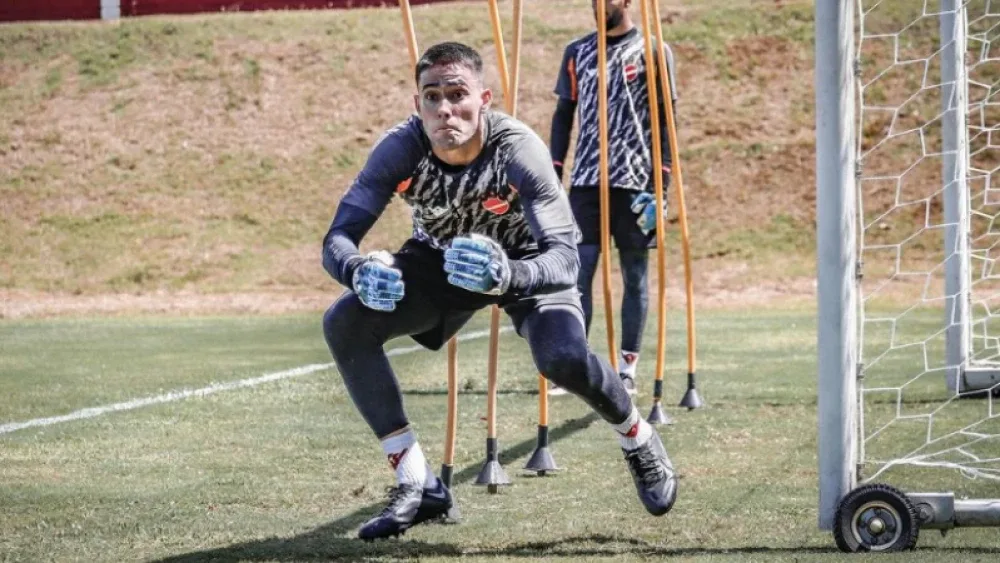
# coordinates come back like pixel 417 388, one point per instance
pixel 93 412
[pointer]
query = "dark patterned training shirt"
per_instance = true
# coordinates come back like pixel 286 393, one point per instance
pixel 629 142
pixel 508 193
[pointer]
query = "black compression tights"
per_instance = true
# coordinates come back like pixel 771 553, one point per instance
pixel 555 334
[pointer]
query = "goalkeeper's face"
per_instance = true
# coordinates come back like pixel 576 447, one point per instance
pixel 451 104
pixel 614 12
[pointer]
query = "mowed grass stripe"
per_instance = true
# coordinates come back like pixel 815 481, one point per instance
pixel 210 390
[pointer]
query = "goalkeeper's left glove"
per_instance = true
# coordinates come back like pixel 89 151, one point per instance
pixel 479 264
pixel 644 205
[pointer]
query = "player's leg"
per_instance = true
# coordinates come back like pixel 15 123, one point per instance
pixel 585 202
pixel 633 252
pixel 635 304
pixel 555 333
pixel 356 337
pixel 590 256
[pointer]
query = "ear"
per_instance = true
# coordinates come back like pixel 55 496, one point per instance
pixel 416 103
pixel 487 97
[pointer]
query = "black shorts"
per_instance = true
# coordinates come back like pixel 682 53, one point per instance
pixel 423 273
pixel 586 204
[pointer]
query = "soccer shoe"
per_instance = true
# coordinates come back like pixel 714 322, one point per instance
pixel 408 506
pixel 654 475
pixel 629 382
pixel 434 503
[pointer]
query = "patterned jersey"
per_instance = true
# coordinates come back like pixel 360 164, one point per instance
pixel 629 132
pixel 509 192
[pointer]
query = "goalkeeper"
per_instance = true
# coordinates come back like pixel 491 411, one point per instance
pixel 491 225
pixel 632 203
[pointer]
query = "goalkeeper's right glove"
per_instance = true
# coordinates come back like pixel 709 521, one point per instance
pixel 378 285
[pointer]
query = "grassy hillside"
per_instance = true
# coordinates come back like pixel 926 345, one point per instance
pixel 207 153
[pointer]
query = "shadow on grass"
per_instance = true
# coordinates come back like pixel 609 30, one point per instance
pixel 323 544
pixel 327 542
pixel 330 543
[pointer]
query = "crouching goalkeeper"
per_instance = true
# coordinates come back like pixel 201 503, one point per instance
pixel 491 225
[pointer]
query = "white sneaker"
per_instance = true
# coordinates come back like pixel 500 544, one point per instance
pixel 629 382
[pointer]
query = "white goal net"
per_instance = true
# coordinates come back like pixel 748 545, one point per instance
pixel 927 86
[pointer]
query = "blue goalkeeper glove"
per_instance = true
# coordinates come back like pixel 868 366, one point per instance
pixel 644 205
pixel 478 264
pixel 378 285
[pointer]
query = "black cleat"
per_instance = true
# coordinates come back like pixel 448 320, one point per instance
pixel 654 475
pixel 408 506
pixel 435 503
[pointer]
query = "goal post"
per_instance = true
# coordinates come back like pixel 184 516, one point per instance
pixel 836 251
pixel 908 267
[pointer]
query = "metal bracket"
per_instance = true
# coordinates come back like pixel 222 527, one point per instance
pixel 935 510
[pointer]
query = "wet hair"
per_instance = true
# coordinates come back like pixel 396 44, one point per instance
pixel 450 53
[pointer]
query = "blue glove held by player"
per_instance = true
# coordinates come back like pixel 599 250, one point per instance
pixel 644 205
pixel 377 283
pixel 477 263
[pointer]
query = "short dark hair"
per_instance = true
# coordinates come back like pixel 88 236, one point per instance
pixel 449 53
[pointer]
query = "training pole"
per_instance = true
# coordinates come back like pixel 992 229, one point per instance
pixel 657 415
pixel 541 461
pixel 602 114
pixel 691 398
pixel 492 474
pixel 451 427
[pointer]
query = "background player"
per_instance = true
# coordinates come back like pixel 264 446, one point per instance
pixel 633 205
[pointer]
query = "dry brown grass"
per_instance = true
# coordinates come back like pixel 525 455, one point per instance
pixel 206 154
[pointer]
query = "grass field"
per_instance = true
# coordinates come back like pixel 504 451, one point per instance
pixel 165 160
pixel 286 470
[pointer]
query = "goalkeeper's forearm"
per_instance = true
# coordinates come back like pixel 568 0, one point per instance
pixel 341 255
pixel 555 269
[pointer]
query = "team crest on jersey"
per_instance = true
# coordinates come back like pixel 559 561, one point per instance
pixel 631 71
pixel 496 205
pixel 499 204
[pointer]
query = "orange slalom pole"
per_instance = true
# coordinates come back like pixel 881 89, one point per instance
pixel 501 53
pixel 602 113
pixel 409 32
pixel 691 399
pixel 657 414
pixel 492 474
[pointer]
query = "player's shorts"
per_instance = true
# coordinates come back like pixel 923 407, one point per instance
pixel 586 204
pixel 423 273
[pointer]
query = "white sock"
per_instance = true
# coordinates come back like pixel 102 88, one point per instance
pixel 406 457
pixel 628 363
pixel 634 432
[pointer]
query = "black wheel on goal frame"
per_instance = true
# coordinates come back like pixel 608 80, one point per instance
pixel 876 518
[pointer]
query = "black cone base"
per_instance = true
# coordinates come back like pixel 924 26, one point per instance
pixel 541 461
pixel 658 415
pixel 454 515
pixel 691 399
pixel 493 476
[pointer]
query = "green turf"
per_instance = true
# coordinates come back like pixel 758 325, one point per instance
pixel 286 471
